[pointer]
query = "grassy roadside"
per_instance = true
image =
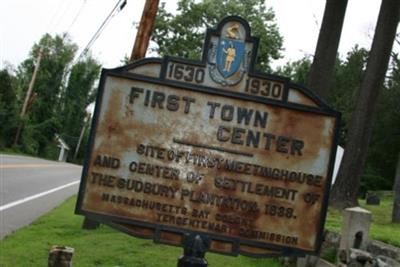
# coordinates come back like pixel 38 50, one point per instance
pixel 107 247
pixel 104 247
pixel 381 229
pixel 13 152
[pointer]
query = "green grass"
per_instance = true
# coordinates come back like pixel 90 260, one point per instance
pixel 381 229
pixel 12 151
pixel 102 247
pixel 106 247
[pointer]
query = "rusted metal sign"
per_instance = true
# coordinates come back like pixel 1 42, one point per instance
pixel 212 147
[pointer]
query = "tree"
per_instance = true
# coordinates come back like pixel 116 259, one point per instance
pixel 322 68
pixel 182 35
pixel 297 71
pixel 385 142
pixel 384 146
pixel 345 190
pixel 43 120
pixel 347 80
pixel 8 108
pixel 396 199
pixel 79 94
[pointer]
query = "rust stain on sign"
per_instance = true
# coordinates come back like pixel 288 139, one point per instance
pixel 223 166
pixel 168 158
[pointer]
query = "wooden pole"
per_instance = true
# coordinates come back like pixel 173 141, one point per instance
pixel 85 123
pixel 32 82
pixel 145 29
pixel 28 95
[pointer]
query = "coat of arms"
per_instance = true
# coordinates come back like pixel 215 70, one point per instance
pixel 228 57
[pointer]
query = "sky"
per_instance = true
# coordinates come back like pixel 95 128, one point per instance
pixel 23 22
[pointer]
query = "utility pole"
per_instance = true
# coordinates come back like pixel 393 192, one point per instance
pixel 85 124
pixel 28 95
pixel 145 29
pixel 139 51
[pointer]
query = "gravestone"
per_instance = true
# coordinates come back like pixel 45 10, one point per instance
pixel 373 200
pixel 354 232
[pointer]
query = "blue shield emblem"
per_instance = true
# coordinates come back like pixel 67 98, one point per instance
pixel 229 56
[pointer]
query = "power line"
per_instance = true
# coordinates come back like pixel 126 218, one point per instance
pixel 76 16
pixel 61 17
pixel 117 8
pixel 51 22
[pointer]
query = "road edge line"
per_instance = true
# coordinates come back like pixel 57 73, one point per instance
pixel 26 199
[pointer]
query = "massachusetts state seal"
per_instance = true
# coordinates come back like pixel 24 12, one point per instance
pixel 228 57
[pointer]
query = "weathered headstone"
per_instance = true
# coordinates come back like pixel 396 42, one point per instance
pixel 354 233
pixel 373 200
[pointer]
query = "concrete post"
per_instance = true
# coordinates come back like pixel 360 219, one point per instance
pixel 355 232
pixel 61 155
pixel 60 256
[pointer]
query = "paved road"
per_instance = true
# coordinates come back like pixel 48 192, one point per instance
pixel 30 187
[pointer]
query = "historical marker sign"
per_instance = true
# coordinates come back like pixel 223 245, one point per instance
pixel 211 147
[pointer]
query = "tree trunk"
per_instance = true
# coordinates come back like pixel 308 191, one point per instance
pixel 345 190
pixel 396 189
pixel 321 72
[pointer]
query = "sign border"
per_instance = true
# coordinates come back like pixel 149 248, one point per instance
pixel 124 72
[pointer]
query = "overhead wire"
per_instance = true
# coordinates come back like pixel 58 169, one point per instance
pixel 61 17
pixel 68 68
pixel 76 16
pixel 50 24
pixel 117 8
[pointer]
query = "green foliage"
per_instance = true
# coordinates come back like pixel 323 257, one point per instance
pixel 371 181
pixel 382 228
pixel 78 95
pixel 297 71
pixel 8 109
pixel 330 254
pixel 57 104
pixel 348 77
pixel 385 142
pixel 102 247
pixel 42 118
pixel 182 35
pixel 347 80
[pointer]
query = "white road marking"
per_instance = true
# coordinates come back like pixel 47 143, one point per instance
pixel 17 166
pixel 26 199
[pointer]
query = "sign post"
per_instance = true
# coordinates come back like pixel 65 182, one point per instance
pixel 194 250
pixel 211 154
